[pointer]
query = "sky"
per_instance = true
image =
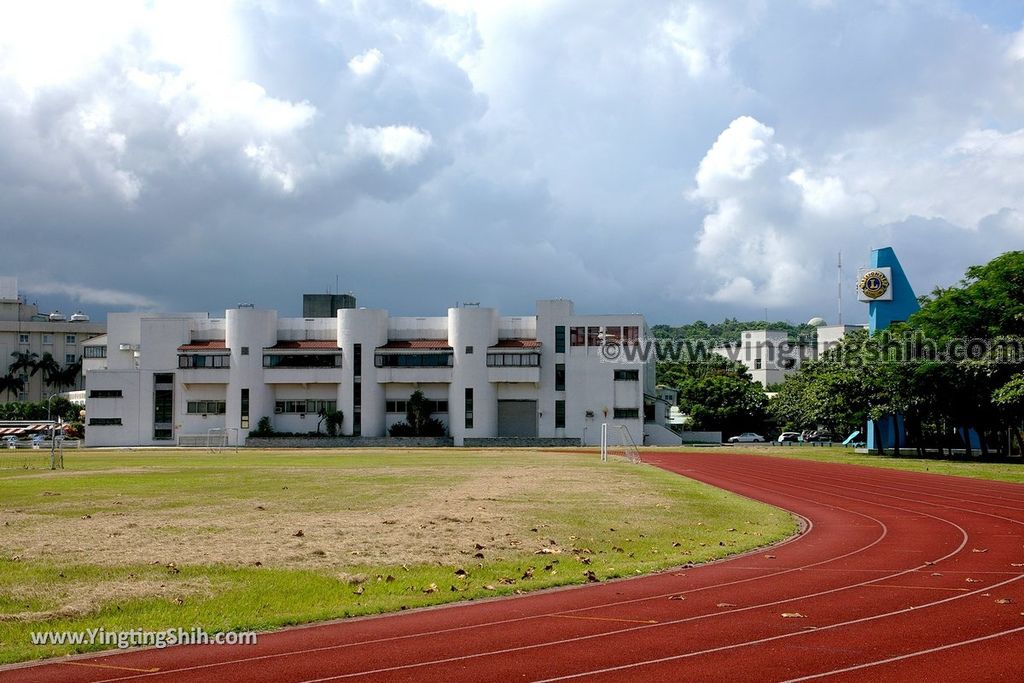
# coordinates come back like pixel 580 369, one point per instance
pixel 699 159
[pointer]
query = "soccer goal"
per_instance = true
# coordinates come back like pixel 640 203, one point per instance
pixel 217 439
pixel 629 450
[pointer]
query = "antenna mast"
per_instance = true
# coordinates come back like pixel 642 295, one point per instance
pixel 839 286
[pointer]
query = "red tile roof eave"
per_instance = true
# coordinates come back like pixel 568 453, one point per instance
pixel 517 344
pixel 416 344
pixel 205 345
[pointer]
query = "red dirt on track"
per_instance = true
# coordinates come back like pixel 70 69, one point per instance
pixel 898 577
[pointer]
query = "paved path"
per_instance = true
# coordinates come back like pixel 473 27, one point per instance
pixel 898 577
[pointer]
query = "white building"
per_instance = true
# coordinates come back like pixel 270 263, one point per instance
pixel 170 375
pixel 768 355
pixel 24 330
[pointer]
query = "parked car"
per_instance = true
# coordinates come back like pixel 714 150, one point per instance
pixel 10 441
pixel 746 437
pixel 818 436
pixel 789 436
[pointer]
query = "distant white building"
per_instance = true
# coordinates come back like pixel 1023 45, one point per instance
pixel 770 357
pixel 165 376
pixel 23 329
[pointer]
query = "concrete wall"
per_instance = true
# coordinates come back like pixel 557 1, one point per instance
pixel 348 442
pixel 521 442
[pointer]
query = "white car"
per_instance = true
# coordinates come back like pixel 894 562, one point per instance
pixel 10 441
pixel 747 437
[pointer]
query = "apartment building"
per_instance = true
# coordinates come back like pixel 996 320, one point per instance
pixel 23 329
pixel 486 375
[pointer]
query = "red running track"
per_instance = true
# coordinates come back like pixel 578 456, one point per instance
pixel 898 576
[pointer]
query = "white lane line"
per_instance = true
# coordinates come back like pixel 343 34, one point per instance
pixel 890 660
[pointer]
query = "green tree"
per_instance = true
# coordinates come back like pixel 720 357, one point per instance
pixel 48 366
pixel 11 384
pixel 24 362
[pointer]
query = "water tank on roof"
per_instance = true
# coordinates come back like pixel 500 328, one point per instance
pixel 57 317
pixel 79 317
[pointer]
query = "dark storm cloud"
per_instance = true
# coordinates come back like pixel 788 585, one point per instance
pixel 190 158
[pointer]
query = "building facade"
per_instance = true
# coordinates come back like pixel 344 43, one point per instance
pixel 24 330
pixel 487 376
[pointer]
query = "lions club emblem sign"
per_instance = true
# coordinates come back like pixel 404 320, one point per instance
pixel 874 285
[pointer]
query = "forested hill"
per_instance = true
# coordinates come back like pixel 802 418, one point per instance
pixel 728 330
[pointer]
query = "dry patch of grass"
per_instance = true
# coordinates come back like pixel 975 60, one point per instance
pixel 78 598
pixel 440 525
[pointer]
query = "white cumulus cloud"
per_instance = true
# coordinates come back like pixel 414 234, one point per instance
pixel 391 145
pixel 366 63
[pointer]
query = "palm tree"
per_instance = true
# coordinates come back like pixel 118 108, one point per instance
pixel 25 361
pixel 49 367
pixel 11 384
pixel 66 377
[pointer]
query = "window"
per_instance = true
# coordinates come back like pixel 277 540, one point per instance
pixel 304 405
pixel 70 359
pixel 163 406
pixel 244 413
pixel 413 360
pixel 560 339
pixel 626 413
pixel 559 414
pixel 70 339
pixel 193 360
pixel 402 407
pixel 306 360
pixel 469 408
pixel 245 350
pixel 357 410
pixel 94 351
pixel 104 421
pixel 627 375
pixel 612 333
pixel 357 360
pixel 577 336
pixel 469 350
pixel 206 407
pixel 23 339
pixel 559 376
pixel 105 393
pixel 47 338
pixel 630 335
pixel 757 363
pixel 504 360
pixel 593 336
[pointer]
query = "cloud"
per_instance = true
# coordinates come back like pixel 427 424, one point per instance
pixel 366 63
pixel 761 241
pixel 92 295
pixel 686 159
pixel 391 145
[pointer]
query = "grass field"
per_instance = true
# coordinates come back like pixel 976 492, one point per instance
pixel 255 540
pixel 1012 471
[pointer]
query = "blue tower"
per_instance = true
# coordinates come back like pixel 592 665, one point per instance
pixel 885 310
pixel 891 299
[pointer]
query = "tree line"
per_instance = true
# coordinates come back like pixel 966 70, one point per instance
pixel 956 367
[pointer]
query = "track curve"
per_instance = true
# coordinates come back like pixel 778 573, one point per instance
pixel 897 576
